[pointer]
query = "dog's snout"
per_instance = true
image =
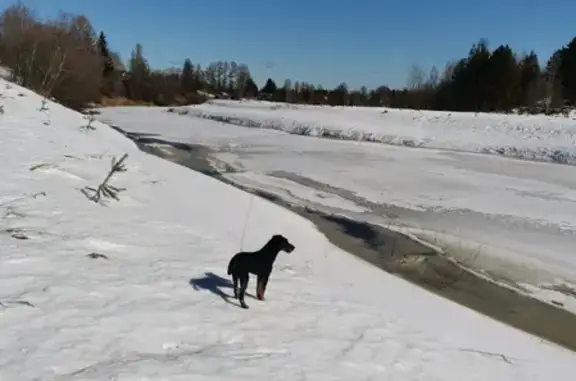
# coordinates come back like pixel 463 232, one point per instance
pixel 290 248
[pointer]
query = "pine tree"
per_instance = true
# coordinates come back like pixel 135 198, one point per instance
pixel 199 77
pixel 251 89
pixel 139 75
pixel 108 63
pixel 552 76
pixel 503 80
pixel 529 79
pixel 187 79
pixel 363 96
pixel 270 87
pixel 567 72
pixel 340 95
pixel 477 77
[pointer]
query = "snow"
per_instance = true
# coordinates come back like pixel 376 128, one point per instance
pixel 152 309
pixel 294 192
pixel 535 137
pixel 514 219
pixel 5 73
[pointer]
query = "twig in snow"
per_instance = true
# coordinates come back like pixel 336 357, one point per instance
pixel 489 354
pixel 43 106
pixel 89 126
pixel 35 195
pixel 98 256
pixel 38 166
pixel 20 235
pixel 19 302
pixel 10 210
pixel 105 189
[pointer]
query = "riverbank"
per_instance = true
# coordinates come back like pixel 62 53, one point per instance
pixel 398 254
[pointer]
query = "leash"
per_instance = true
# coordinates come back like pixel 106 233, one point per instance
pixel 246 221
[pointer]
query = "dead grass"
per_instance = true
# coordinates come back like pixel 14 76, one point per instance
pixel 121 101
pixel 178 101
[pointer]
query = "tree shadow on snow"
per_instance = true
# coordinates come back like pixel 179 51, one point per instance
pixel 215 284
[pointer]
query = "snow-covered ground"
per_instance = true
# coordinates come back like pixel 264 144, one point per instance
pixel 5 73
pixel 154 308
pixel 535 137
pixel 514 219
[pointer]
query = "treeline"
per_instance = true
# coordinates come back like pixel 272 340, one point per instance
pixel 498 80
pixel 67 59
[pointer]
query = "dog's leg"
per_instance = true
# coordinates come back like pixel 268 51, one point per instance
pixel 261 286
pixel 235 280
pixel 243 286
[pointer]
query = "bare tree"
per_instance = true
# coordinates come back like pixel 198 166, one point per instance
pixel 56 58
pixel 433 77
pixel 416 77
pixel 242 77
pixel 448 71
pixel 288 89
pixel 17 46
pixel 211 77
pixel 232 75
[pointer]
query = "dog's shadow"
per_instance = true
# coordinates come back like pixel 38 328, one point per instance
pixel 215 284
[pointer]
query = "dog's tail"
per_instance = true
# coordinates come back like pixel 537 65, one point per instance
pixel 231 265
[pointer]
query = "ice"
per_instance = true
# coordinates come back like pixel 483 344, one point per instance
pixel 515 219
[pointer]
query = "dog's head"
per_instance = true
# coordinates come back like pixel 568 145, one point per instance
pixel 283 244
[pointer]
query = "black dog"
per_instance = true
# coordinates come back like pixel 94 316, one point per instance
pixel 258 263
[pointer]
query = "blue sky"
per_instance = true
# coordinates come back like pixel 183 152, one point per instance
pixel 362 42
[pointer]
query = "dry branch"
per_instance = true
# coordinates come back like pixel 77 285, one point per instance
pixel 98 256
pixel 26 303
pixel 9 211
pixel 34 195
pixel 89 126
pixel 488 354
pixel 43 106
